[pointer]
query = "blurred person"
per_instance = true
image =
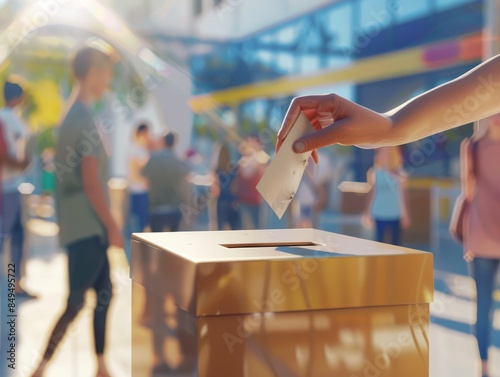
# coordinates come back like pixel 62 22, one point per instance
pixel 138 187
pixel 251 167
pixel 228 207
pixel 13 169
pixel 48 168
pixel 340 121
pixel 312 194
pixel 386 202
pixel 322 179
pixel 169 189
pixel 306 196
pixel 480 177
pixel 87 227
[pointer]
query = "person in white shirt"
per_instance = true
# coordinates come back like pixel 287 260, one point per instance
pixel 12 170
pixel 138 185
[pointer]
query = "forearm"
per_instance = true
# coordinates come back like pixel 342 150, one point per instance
pixel 97 199
pixel 404 203
pixel 473 96
pixel 369 201
pixel 94 191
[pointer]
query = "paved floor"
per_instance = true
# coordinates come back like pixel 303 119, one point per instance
pixel 47 277
pixel 453 349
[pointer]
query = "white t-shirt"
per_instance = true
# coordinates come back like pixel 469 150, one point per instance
pixel 318 174
pixel 16 137
pixel 138 156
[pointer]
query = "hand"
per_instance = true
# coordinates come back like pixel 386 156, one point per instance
pixel 337 121
pixel 115 237
pixel 405 222
pixel 469 256
pixel 367 221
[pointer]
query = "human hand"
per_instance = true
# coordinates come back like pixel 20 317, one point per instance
pixel 405 222
pixel 336 121
pixel 469 256
pixel 115 237
pixel 367 221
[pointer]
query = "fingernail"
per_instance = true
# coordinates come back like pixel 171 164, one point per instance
pixel 299 146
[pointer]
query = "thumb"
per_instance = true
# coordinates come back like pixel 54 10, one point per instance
pixel 319 139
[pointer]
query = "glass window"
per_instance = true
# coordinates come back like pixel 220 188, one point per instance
pixel 313 38
pixel 448 4
pixel 287 34
pixel 338 22
pixel 286 63
pixel 277 111
pixel 408 10
pixel 374 12
pixel 265 57
pixel 309 63
pixel 267 38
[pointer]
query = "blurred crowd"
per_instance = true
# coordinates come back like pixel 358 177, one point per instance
pixel 165 190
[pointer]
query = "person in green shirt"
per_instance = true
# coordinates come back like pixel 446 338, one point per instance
pixel 87 228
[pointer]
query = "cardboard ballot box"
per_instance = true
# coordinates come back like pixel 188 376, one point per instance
pixel 298 302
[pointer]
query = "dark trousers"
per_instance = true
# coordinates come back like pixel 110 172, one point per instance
pixel 139 211
pixel 228 213
pixel 11 226
pixel 88 268
pixel 161 220
pixel 390 227
pixel 484 272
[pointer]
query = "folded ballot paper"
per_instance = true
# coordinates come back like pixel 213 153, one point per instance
pixel 282 177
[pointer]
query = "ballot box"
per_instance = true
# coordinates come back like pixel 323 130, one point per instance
pixel 290 302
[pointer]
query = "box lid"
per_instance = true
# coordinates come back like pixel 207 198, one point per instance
pixel 230 272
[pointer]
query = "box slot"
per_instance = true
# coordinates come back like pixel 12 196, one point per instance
pixel 248 245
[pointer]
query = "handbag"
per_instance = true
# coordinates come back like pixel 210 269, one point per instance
pixel 461 208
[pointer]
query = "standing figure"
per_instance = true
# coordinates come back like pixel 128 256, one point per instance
pixel 386 204
pixel 251 168
pixel 86 225
pixel 13 170
pixel 480 175
pixel 138 187
pixel 228 207
pixel 169 188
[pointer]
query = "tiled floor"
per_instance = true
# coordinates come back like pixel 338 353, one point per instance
pixel 453 349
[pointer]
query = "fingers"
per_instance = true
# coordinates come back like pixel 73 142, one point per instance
pixel 307 104
pixel 291 116
pixel 315 156
pixel 322 138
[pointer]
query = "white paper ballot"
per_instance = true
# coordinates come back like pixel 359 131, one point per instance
pixel 282 177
